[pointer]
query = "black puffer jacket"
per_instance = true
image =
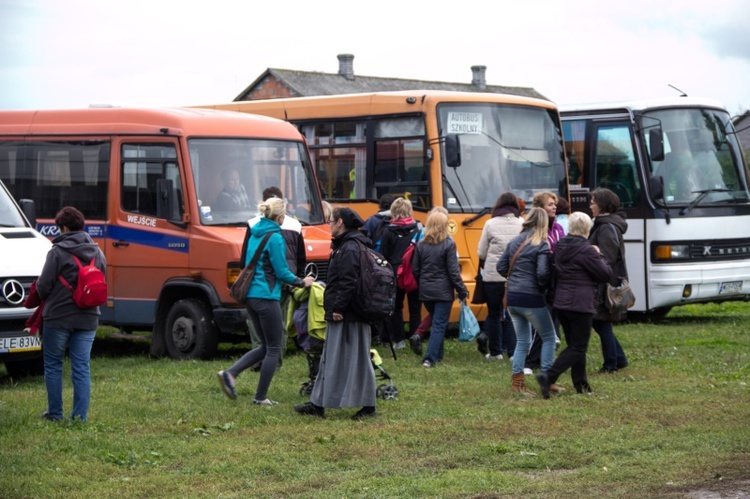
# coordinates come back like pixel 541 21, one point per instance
pixel 435 266
pixel 578 270
pixel 343 275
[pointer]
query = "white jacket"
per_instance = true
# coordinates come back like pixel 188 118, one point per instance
pixel 496 234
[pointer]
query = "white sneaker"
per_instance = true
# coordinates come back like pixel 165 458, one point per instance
pixel 400 345
pixel 527 371
pixel 489 356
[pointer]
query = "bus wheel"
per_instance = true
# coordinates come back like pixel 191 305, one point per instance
pixel 190 332
pixel 22 368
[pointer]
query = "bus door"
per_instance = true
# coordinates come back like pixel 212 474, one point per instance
pixel 147 238
pixel 612 163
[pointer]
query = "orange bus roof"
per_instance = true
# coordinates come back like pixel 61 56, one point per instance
pixel 157 121
pixel 367 104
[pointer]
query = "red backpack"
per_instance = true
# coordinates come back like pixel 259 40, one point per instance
pixel 91 289
pixel 404 275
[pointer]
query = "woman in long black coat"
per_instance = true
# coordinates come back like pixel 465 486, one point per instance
pixel 579 268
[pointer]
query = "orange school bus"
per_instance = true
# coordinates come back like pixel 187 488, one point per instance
pixel 453 149
pixel 149 182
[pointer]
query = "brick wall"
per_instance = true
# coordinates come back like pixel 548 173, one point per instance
pixel 270 88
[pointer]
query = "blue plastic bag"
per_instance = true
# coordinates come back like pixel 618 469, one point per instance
pixel 468 326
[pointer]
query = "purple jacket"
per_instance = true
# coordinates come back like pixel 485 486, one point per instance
pixel 555 233
pixel 578 270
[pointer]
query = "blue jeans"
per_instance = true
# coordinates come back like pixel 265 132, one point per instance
pixel 441 313
pixel 614 356
pixel 55 341
pixel 500 332
pixel 523 319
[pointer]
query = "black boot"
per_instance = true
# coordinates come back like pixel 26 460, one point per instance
pixel 367 411
pixel 310 409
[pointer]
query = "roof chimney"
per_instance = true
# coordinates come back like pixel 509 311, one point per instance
pixel 346 66
pixel 477 77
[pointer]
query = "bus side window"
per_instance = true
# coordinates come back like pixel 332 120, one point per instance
pixel 57 174
pixel 142 165
pixel 615 164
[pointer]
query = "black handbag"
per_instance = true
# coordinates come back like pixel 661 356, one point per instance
pixel 241 286
pixel 479 297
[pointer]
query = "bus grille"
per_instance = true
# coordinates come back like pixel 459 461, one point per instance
pixel 319 269
pixel 720 250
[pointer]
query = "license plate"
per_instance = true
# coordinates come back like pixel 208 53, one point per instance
pixel 20 344
pixel 730 288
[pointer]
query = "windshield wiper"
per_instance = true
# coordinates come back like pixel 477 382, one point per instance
pixel 701 194
pixel 458 200
pixel 484 211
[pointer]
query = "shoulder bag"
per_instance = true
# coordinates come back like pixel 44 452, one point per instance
pixel 620 298
pixel 242 285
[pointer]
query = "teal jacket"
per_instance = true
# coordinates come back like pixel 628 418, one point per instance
pixel 272 269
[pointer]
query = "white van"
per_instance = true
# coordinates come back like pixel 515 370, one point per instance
pixel 23 251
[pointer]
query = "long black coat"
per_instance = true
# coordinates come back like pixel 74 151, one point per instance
pixel 343 275
pixel 579 268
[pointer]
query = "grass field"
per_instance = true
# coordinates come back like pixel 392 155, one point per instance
pixel 676 423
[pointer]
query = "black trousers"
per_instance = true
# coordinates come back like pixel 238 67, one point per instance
pixel 577 329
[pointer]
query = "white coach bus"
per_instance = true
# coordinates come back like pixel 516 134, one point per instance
pixel 678 168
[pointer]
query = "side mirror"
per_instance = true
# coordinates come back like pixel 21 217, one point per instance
pixel 29 210
pixel 452 150
pixel 656 185
pixel 656 144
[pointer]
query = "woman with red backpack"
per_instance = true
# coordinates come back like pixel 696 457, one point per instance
pixel 67 326
pixel 401 233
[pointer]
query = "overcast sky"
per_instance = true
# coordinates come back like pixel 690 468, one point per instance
pixel 73 53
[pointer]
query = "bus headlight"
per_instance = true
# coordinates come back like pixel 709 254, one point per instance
pixel 233 272
pixel 672 252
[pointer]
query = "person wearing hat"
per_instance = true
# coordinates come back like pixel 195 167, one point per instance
pixel 346 377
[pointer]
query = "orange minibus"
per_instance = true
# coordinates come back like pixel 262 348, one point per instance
pixel 150 183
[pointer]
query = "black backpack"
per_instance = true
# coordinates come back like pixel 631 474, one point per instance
pixel 376 290
pixel 377 233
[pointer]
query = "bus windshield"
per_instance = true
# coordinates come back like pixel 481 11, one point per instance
pixel 231 174
pixel 702 161
pixel 503 148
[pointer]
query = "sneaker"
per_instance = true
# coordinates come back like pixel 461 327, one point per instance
pixel 427 363
pixel 226 381
pixel 605 370
pixel 527 371
pixel 364 413
pixel 310 409
pixel 264 402
pixel 400 345
pixel 415 342
pixel 489 356
pixel 483 344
